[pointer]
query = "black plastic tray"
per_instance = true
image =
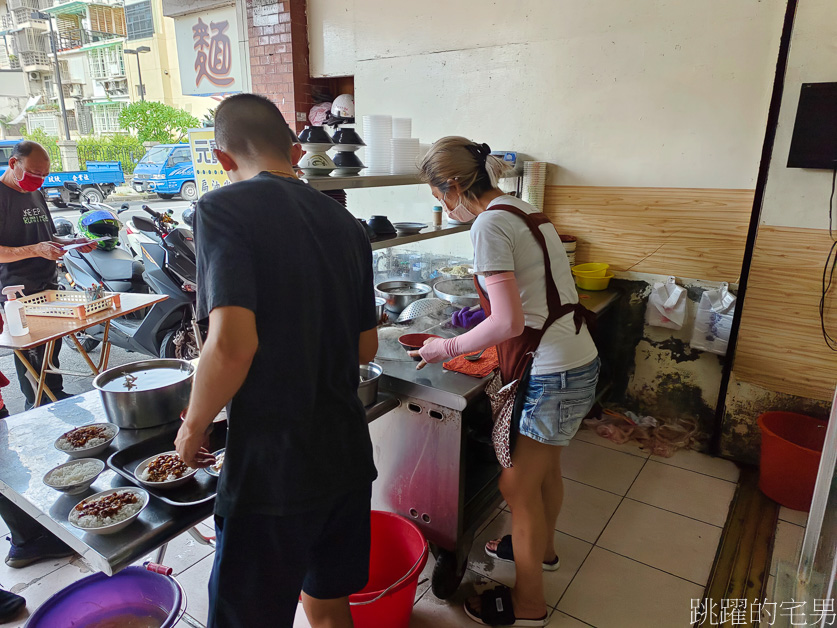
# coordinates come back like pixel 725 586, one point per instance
pixel 200 489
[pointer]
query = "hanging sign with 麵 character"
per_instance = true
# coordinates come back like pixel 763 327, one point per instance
pixel 209 53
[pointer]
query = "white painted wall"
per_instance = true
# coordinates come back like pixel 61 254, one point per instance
pixel 642 93
pixel 797 197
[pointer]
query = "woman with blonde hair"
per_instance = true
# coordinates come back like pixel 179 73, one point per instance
pixel 533 316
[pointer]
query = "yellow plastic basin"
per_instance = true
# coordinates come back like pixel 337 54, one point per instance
pixel 590 270
pixel 593 283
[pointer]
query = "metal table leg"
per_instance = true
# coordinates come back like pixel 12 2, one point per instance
pixel 21 355
pixel 49 350
pixel 161 554
pixel 94 368
pixel 200 538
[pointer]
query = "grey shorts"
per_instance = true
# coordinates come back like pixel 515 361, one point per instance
pixel 555 404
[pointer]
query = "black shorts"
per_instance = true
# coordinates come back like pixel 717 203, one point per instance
pixel 262 562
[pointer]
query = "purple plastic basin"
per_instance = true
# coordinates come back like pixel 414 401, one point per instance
pixel 133 598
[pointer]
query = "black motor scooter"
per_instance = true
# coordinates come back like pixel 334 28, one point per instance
pixel 166 329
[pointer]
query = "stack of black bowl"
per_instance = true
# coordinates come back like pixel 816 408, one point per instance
pixel 347 142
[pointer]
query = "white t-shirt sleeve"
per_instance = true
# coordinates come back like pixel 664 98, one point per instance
pixel 493 246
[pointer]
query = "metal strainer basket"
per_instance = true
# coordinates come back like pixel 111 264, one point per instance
pixel 422 307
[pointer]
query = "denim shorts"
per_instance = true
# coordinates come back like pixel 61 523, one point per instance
pixel 556 403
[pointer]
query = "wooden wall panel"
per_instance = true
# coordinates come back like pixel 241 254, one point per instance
pixel 692 233
pixel 780 346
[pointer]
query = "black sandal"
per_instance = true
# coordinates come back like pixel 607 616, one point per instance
pixel 505 553
pixel 496 609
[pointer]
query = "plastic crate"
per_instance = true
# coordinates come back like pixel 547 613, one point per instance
pixel 67 304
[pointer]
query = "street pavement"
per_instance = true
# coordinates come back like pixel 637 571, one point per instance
pixel 70 359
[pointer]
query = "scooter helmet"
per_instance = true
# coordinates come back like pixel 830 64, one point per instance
pixel 98 224
pixel 343 107
pixel 63 227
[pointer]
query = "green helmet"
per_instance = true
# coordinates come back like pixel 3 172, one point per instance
pixel 98 224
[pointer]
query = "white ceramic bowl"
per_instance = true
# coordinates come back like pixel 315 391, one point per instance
pixel 78 487
pixel 88 451
pixel 161 485
pixel 115 527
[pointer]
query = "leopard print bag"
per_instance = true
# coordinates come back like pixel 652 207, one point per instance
pixel 502 400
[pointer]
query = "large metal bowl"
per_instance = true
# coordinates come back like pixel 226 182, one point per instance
pixel 396 302
pixel 368 388
pixel 460 292
pixel 137 409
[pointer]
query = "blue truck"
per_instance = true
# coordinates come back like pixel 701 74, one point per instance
pixel 167 170
pixel 97 182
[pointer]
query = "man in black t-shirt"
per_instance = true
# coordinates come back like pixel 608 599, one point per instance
pixel 29 247
pixel 28 250
pixel 285 278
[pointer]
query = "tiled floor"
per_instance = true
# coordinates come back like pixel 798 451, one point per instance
pixel 637 537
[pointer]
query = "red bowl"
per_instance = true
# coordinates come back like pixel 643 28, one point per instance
pixel 411 342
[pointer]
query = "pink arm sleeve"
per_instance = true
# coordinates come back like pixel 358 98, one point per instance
pixel 506 321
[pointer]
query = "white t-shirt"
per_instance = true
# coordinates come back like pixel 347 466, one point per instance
pixel 503 242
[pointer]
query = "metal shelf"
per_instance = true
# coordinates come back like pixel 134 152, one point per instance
pixel 429 234
pixel 362 181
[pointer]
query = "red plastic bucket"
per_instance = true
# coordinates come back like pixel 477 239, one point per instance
pixel 791 446
pixel 399 554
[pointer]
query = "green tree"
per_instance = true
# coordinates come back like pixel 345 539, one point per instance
pixel 209 118
pixel 121 147
pixel 156 122
pixel 50 143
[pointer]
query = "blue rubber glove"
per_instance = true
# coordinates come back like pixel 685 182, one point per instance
pixel 467 318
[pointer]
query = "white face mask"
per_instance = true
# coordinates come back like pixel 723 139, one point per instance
pixel 459 213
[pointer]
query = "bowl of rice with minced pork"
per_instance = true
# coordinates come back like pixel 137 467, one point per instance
pixel 87 440
pixel 109 511
pixel 164 471
pixel 74 477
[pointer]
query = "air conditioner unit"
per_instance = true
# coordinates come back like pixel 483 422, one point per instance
pixel 114 69
pixel 34 76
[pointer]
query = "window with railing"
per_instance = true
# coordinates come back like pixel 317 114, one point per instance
pixel 31 40
pixel 47 121
pixel 106 117
pixel 26 4
pixel 106 63
pixel 139 19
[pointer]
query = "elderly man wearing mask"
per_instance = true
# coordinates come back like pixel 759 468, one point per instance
pixel 29 247
pixel 28 251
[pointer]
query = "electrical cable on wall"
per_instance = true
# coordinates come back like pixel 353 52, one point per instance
pixel 828 273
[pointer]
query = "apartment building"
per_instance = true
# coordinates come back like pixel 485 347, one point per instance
pixel 98 78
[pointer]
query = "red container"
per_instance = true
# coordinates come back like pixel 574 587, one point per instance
pixel 791 446
pixel 399 554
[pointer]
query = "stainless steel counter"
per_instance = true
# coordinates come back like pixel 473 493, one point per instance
pixel 26 442
pixel 28 453
pixel 445 388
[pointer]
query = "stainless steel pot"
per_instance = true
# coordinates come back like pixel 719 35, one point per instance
pixel 396 302
pixel 137 409
pixel 380 302
pixel 368 388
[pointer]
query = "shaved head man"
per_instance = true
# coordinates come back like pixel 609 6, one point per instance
pixel 293 504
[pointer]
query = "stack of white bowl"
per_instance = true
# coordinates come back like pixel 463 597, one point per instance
pixel 405 155
pixel 377 133
pixel 534 183
pixel 402 127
